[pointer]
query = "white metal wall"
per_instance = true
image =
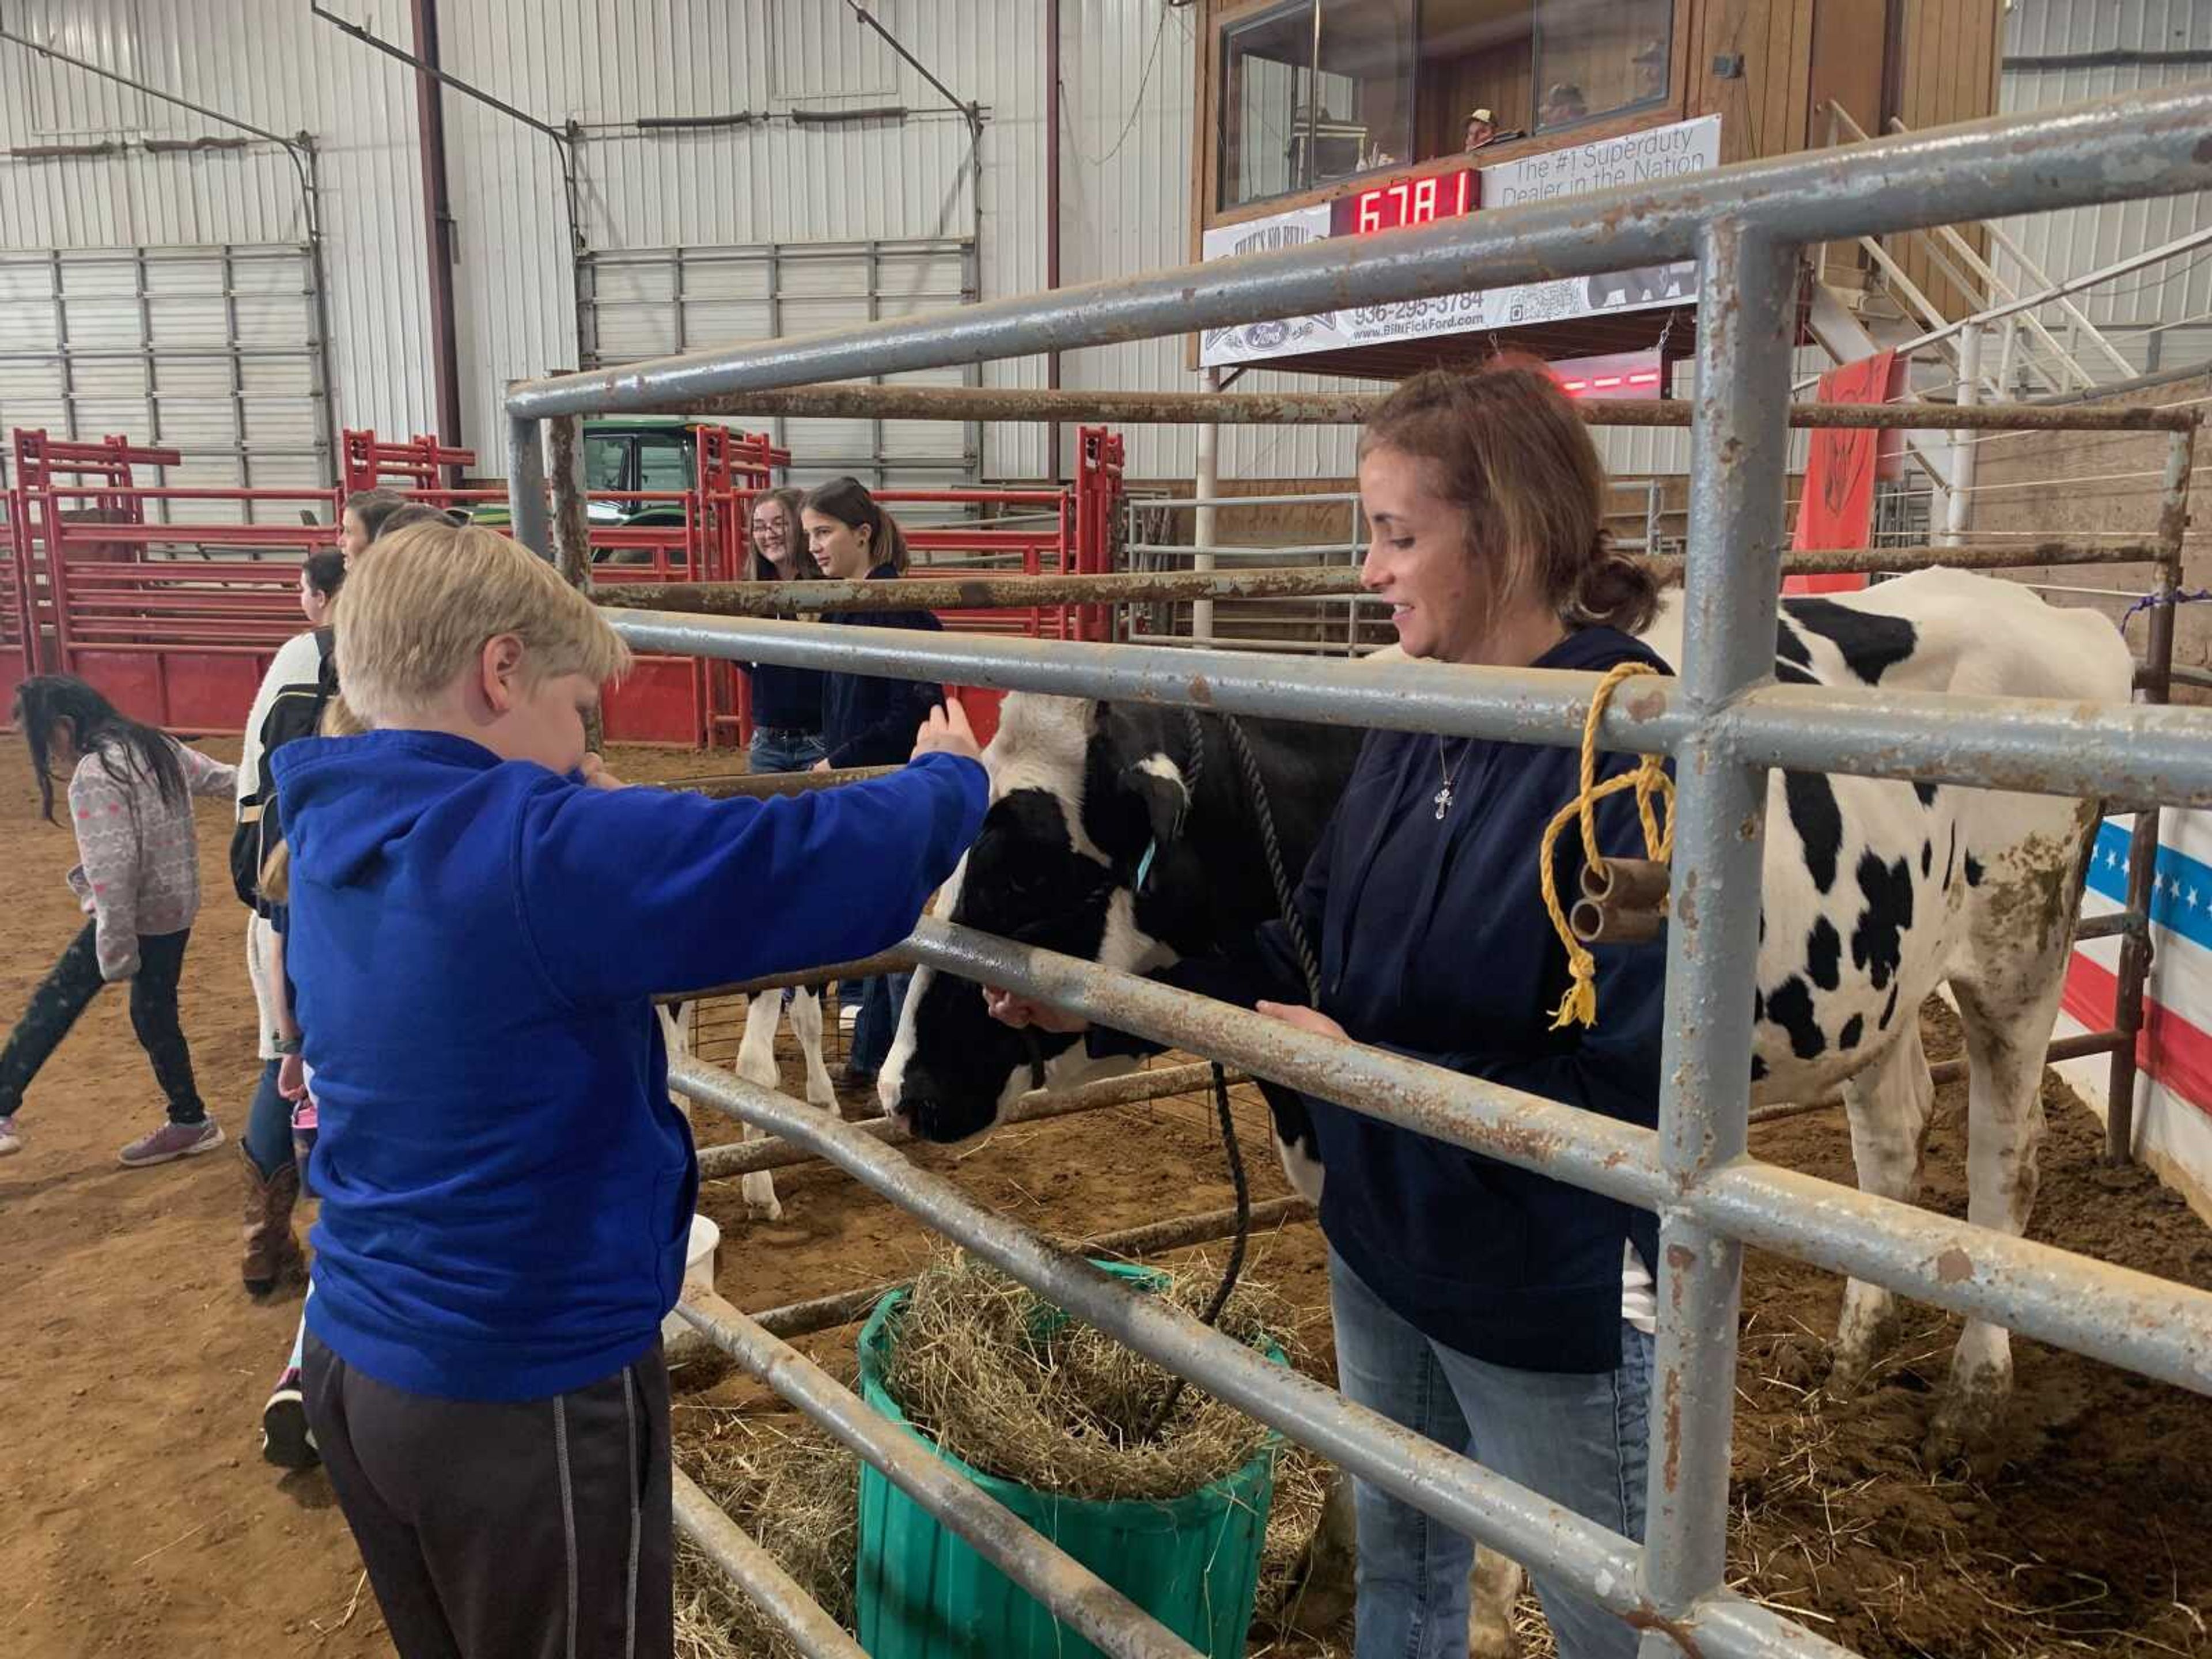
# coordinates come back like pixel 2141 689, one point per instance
pixel 269 63
pixel 1126 117
pixel 1129 68
pixel 778 178
pixel 2072 243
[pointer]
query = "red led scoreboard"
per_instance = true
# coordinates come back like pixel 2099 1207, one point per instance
pixel 1406 201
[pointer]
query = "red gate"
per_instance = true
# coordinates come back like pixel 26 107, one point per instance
pixel 177 621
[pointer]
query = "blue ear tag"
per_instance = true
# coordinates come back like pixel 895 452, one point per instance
pixel 1145 864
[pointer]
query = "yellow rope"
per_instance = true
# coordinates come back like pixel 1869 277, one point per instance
pixel 1650 783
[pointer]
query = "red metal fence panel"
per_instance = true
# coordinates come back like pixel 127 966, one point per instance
pixel 177 621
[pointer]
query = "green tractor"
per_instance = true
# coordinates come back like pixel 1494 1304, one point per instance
pixel 626 454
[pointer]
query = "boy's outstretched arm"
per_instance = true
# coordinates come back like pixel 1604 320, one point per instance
pixel 629 892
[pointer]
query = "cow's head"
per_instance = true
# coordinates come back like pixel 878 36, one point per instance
pixel 1088 802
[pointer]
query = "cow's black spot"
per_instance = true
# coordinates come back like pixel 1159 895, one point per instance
pixel 1824 954
pixel 1927 858
pixel 1974 871
pixel 1889 1008
pixel 1819 822
pixel 1791 1008
pixel 1758 1007
pixel 1951 857
pixel 1926 791
pixel 1870 645
pixel 1789 648
pixel 1877 942
pixel 1758 1069
pixel 1854 1029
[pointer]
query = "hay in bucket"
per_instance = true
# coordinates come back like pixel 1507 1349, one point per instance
pixel 797 1492
pixel 1002 1381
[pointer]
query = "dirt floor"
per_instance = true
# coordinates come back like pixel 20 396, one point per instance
pixel 137 1517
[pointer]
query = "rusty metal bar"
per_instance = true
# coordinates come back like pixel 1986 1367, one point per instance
pixel 1948 1070
pixel 984 592
pixel 2143 836
pixel 2035 746
pixel 757 1574
pixel 1739 459
pixel 861 400
pixel 746 1156
pixel 890 962
pixel 769 785
pixel 827 1313
pixel 525 487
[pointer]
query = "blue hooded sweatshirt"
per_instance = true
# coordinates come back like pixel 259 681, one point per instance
pixel 506 1192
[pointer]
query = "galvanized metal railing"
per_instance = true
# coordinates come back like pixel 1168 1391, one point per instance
pixel 1724 722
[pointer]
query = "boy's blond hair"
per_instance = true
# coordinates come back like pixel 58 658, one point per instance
pixel 418 607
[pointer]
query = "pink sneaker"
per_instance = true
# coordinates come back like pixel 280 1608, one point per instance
pixel 172 1140
pixel 11 1138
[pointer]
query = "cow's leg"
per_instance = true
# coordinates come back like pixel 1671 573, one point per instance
pixel 679 1027
pixel 2007 1033
pixel 806 1026
pixel 1890 1104
pixel 757 1065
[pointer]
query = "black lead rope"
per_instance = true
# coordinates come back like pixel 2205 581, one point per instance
pixel 1255 785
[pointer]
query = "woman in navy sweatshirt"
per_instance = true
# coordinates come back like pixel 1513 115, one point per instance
pixel 786 702
pixel 867 721
pixel 1503 1314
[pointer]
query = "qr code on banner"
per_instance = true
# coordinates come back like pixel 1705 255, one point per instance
pixel 1536 302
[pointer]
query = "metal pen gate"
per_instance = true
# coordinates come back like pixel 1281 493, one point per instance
pixel 1725 721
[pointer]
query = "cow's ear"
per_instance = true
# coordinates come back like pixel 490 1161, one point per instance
pixel 1158 782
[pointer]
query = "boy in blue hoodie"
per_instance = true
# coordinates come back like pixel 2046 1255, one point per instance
pixel 479 918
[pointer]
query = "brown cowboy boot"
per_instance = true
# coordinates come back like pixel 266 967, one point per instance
pixel 272 1254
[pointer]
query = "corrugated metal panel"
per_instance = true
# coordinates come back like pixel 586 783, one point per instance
pixel 2064 245
pixel 1126 183
pixel 773 180
pixel 273 65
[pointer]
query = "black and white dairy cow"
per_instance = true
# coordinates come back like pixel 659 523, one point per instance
pixel 1875 893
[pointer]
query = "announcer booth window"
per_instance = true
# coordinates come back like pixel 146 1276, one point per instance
pixel 1313 92
pixel 1596 58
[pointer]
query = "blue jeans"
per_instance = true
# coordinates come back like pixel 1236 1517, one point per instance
pixel 268 1137
pixel 1579 1440
pixel 881 997
pixel 779 749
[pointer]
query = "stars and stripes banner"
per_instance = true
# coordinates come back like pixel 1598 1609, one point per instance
pixel 2174 1053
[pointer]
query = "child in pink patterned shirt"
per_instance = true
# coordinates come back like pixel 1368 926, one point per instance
pixel 130 791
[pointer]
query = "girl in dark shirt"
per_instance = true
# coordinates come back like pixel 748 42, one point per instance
pixel 786 702
pixel 1505 1315
pixel 867 720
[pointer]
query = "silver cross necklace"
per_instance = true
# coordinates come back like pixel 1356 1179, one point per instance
pixel 1442 798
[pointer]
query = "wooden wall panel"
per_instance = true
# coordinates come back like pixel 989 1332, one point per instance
pixel 1951 51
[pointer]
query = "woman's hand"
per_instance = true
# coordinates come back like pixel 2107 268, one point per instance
pixel 1306 1018
pixel 292 1079
pixel 594 773
pixel 1021 1012
pixel 946 732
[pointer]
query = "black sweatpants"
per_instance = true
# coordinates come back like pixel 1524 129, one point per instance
pixel 539 1529
pixel 68 990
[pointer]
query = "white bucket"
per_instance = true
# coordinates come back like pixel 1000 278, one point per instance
pixel 700 1266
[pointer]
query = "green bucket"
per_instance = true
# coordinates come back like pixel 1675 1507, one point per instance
pixel 1193 1562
